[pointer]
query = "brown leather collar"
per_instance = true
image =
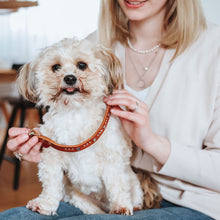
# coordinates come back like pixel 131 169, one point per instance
pixel 47 142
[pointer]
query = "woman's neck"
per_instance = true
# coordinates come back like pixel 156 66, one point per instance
pixel 145 34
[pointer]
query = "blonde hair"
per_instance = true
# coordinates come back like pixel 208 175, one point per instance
pixel 184 21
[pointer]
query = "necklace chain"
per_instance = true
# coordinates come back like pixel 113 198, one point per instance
pixel 141 82
pixel 143 51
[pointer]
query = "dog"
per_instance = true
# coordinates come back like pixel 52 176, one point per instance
pixel 72 77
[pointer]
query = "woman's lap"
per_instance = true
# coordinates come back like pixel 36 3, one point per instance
pixel 68 212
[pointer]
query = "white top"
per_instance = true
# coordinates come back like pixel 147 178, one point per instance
pixel 141 95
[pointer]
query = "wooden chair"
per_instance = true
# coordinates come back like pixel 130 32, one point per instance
pixel 19 105
pixel 3 106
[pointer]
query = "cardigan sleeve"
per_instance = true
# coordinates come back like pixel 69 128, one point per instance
pixel 199 166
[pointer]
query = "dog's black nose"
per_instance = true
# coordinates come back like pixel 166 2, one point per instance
pixel 70 79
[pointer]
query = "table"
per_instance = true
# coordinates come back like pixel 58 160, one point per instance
pixel 8 75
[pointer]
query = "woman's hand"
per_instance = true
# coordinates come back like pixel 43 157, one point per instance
pixel 136 124
pixel 21 143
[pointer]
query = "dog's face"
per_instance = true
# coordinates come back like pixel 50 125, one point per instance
pixel 70 72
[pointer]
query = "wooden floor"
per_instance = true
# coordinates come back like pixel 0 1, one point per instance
pixel 29 186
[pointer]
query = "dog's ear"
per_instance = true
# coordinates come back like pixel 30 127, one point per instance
pixel 114 77
pixel 26 82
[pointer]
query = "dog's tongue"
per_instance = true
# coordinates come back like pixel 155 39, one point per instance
pixel 70 89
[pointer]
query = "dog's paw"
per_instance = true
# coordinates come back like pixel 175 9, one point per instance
pixel 137 208
pixel 93 210
pixel 122 211
pixel 43 206
pixel 87 207
pixel 138 205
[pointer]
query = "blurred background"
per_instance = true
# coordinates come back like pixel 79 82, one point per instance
pixel 24 31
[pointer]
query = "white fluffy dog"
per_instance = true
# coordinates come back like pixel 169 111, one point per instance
pixel 72 78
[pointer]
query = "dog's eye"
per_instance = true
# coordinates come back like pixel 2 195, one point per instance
pixel 56 67
pixel 81 65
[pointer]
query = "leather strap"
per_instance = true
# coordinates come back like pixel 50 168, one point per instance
pixel 47 142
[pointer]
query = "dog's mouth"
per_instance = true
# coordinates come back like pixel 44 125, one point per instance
pixel 70 90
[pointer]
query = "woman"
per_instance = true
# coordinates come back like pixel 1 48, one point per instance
pixel 172 89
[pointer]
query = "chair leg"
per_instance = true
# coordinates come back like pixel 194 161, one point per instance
pixel 17 162
pixel 16 174
pixel 4 111
pixel 14 160
pixel 40 112
pixel 10 124
pixel 22 117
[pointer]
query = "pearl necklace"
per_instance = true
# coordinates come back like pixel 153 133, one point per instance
pixel 142 51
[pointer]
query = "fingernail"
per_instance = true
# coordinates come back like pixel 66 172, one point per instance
pixel 33 140
pixel 24 137
pixel 28 130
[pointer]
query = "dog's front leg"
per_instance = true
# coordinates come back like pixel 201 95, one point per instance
pixel 83 202
pixel 136 192
pixel 51 176
pixel 118 190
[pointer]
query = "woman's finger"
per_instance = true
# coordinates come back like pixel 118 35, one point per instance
pixel 122 93
pixel 132 105
pixel 17 141
pixel 36 149
pixel 131 116
pixel 13 132
pixel 25 148
pixel 34 154
pixel 124 96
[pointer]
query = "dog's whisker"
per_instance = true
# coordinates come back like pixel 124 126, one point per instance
pixel 66 101
pixel 81 87
pixel 54 97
